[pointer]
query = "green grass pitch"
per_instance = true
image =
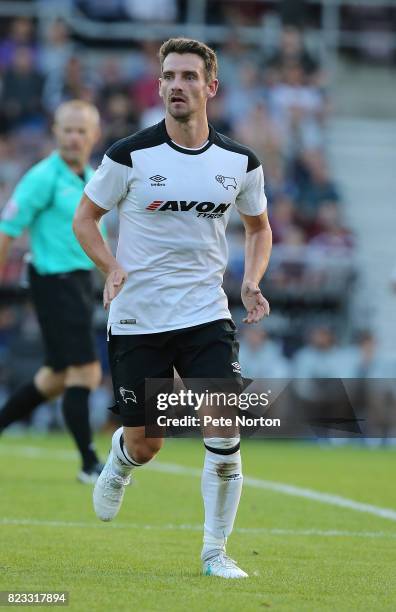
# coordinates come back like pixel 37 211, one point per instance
pixel 301 554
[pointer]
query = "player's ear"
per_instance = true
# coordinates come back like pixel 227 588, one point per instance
pixel 212 88
pixel 159 87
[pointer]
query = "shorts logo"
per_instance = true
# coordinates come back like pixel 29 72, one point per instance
pixel 158 180
pixel 226 181
pixel 128 395
pixel 236 367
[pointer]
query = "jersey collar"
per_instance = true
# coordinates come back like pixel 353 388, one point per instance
pixel 168 140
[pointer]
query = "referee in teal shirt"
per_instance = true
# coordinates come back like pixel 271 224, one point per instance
pixel 44 203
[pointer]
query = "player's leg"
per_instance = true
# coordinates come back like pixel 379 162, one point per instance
pixel 221 491
pixel 211 352
pixel 80 380
pixel 46 385
pixel 130 449
pixel 132 360
pixel 64 304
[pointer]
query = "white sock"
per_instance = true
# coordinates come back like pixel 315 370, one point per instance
pixel 123 463
pixel 221 491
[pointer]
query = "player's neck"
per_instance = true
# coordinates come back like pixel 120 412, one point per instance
pixel 192 134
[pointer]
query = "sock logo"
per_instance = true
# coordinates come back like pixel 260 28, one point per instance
pixel 128 395
pixel 236 367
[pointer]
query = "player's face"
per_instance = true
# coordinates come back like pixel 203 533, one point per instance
pixel 76 133
pixel 183 85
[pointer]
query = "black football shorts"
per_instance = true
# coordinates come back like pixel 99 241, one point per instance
pixel 207 351
pixel 64 305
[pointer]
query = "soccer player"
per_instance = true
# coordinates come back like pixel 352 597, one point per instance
pixel 175 184
pixel 44 202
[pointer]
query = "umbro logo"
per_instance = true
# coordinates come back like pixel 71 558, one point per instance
pixel 226 181
pixel 158 180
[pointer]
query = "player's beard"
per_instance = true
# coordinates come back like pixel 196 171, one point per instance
pixel 180 114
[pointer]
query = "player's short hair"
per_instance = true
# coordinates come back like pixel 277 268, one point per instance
pixel 78 105
pixel 188 45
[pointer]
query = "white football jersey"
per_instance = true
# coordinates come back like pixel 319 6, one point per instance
pixel 174 205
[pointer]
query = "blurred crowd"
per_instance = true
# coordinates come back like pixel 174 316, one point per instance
pixel 276 102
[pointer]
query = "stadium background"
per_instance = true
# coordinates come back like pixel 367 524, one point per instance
pixel 316 524
pixel 307 85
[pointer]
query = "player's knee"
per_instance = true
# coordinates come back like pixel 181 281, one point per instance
pixel 95 374
pixel 51 384
pixel 144 450
pixel 86 375
pixel 224 458
pixel 222 446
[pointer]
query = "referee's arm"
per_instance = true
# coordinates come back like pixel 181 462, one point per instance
pixel 258 245
pixel 86 228
pixel 5 243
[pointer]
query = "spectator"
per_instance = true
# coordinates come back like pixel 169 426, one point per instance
pixel 152 10
pixel 119 118
pixel 20 36
pixel 56 50
pixel 257 130
pixel 372 390
pixel 321 399
pixel 297 110
pixel 217 115
pixel 144 92
pixel 22 90
pixel 261 357
pixel 321 358
pixel 330 234
pixel 240 101
pixel 112 80
pixel 103 9
pixel 316 186
pixel 291 52
pixel 75 83
pixel 288 267
pixel 232 55
pixel 282 217
pixel 10 167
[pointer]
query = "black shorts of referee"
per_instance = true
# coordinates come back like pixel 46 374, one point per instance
pixel 64 304
pixel 206 351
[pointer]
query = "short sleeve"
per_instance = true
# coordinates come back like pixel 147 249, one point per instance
pixel 109 184
pixel 32 194
pixel 251 199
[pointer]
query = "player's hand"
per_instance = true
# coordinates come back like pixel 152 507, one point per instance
pixel 114 283
pixel 255 303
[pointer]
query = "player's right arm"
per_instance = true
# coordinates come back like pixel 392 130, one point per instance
pixel 31 195
pixel 5 243
pixel 86 228
pixel 106 188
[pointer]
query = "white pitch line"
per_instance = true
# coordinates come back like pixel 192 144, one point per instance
pixel 268 485
pixel 279 487
pixel 171 527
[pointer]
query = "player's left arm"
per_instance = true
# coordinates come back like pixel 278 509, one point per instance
pixel 258 244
